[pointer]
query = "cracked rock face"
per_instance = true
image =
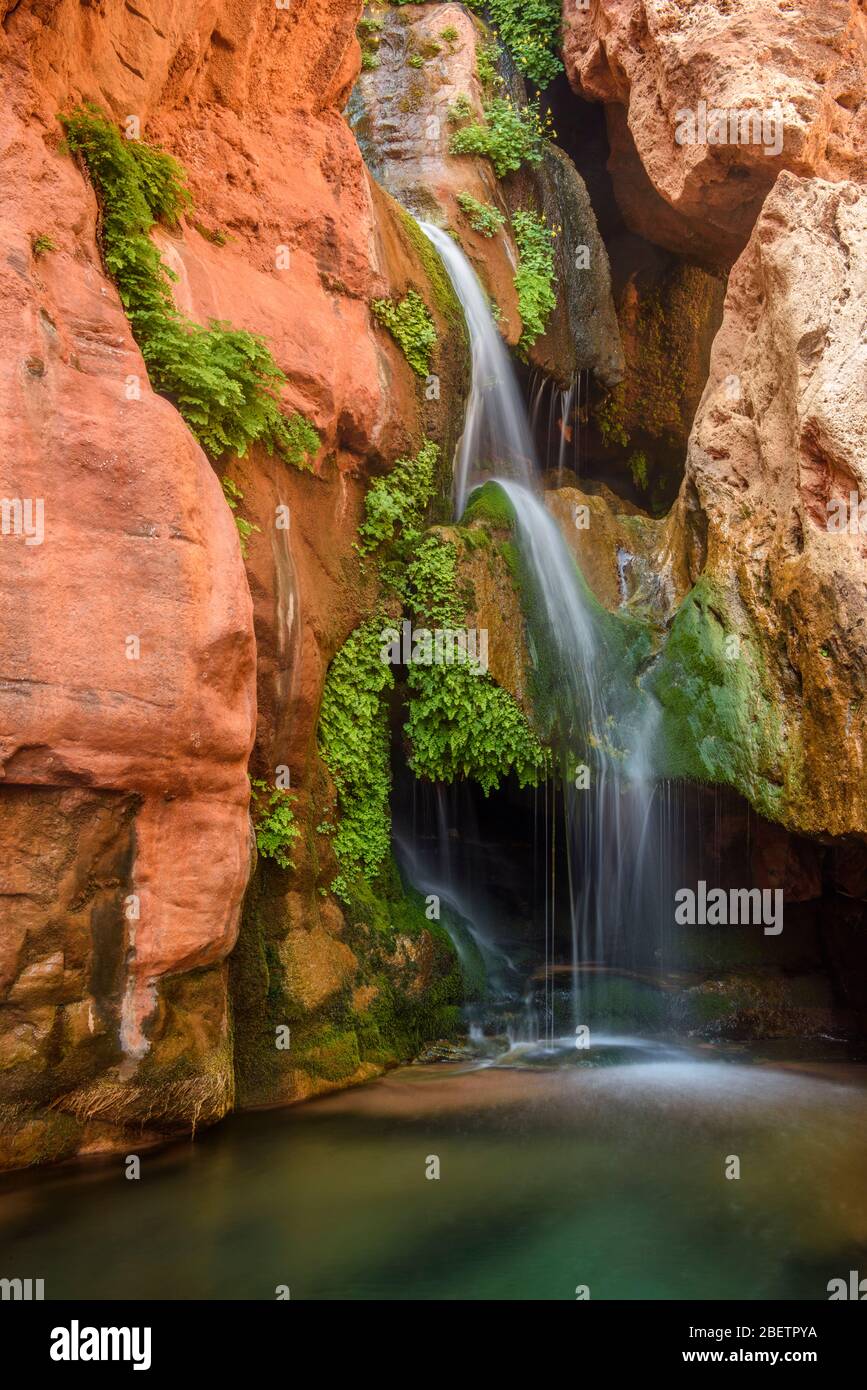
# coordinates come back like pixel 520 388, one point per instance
pixel 653 62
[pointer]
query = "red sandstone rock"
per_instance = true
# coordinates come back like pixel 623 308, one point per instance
pixel 138 538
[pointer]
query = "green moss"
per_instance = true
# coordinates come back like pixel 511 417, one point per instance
pixel 721 723
pixel 534 277
pixel 412 98
pixel 331 1054
pixel 409 322
pixel 224 381
pixel 392 940
pixel 638 467
pixel 490 504
pixel 444 298
pixel 611 417
pixel 258 1000
pixel 30 1135
pixel 402 1018
pixel 215 235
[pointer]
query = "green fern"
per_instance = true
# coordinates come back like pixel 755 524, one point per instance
pixel 274 819
pixel 234 497
pixel 398 501
pixel 223 380
pixel 354 743
pixel 534 278
pixel 409 322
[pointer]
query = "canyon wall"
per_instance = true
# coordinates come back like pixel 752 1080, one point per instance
pixel 142 670
pixel 760 593
pixel 423 62
pixel 655 63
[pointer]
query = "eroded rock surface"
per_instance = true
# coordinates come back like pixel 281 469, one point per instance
pixel 649 60
pixel 781 433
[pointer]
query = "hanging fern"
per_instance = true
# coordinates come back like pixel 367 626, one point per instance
pixel 223 380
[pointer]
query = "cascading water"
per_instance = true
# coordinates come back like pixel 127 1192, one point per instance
pixel 613 854
pixel 496 439
pixel 557 415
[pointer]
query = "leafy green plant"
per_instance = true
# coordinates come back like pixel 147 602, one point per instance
pixel 530 30
pixel 41 245
pixel 509 136
pixel 162 181
pixel 398 501
pixel 224 381
pixel 482 217
pixel 460 109
pixel 487 58
pixel 415 60
pixel 353 741
pixel 215 235
pixel 234 496
pixel 449 35
pixel 368 34
pixel 534 278
pixel 274 821
pixel 409 322
pixel 460 722
pixel 412 98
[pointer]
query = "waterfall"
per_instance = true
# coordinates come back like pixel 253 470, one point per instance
pixel 613 852
pixel 496 438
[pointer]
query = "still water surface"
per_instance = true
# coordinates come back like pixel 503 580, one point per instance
pixel 556 1170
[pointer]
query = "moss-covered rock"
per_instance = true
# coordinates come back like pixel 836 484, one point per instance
pixel 721 722
pixel 325 997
